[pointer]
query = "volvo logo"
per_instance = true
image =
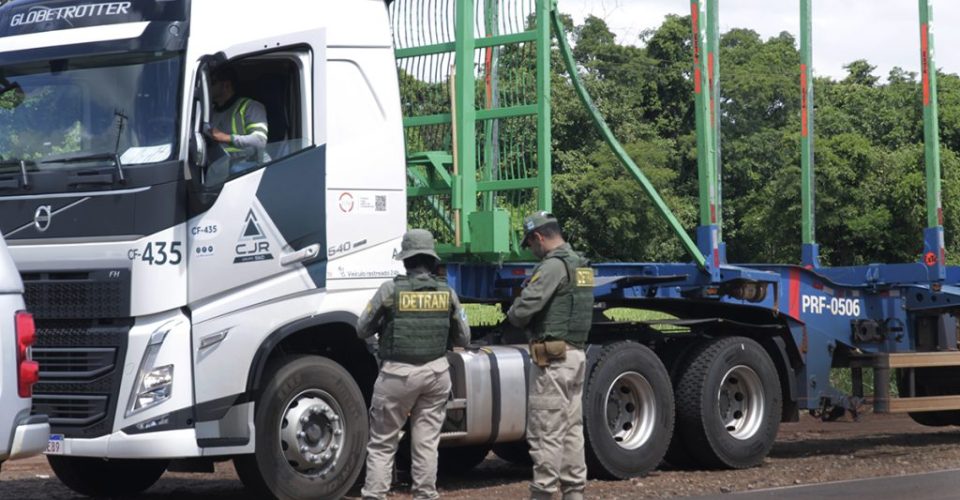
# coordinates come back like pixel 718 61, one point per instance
pixel 42 218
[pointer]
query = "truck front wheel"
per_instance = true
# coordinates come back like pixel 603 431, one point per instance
pixel 728 403
pixel 97 477
pixel 627 412
pixel 311 432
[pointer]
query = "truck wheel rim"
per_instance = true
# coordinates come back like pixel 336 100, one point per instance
pixel 311 433
pixel 631 410
pixel 741 402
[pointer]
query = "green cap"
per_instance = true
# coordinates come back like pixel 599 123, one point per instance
pixel 417 242
pixel 535 221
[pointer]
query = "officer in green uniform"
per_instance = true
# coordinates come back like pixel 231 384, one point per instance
pixel 556 308
pixel 417 317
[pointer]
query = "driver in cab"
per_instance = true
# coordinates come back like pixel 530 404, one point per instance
pixel 239 124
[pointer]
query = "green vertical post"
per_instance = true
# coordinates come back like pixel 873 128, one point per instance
pixel 810 250
pixel 713 75
pixel 491 129
pixel 931 136
pixel 934 254
pixel 465 116
pixel 544 159
pixel 701 102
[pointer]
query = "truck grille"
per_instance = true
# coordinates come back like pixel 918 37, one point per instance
pixel 78 295
pixel 80 372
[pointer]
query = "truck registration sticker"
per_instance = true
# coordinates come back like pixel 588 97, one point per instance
pixel 55 445
pixel 819 304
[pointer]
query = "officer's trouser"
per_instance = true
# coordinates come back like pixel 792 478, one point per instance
pixel 555 427
pixel 422 395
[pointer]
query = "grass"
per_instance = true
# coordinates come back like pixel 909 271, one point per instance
pixel 842 380
pixel 486 315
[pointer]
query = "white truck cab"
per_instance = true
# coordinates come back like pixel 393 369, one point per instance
pixel 21 434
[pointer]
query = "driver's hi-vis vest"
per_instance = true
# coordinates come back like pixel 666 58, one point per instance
pixel 569 313
pixel 418 325
pixel 239 126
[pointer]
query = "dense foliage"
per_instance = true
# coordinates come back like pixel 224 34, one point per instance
pixel 870 195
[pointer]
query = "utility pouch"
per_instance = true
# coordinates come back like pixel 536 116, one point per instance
pixel 538 354
pixel 556 350
pixel 542 352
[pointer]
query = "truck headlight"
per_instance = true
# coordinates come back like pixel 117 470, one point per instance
pixel 155 388
pixel 154 384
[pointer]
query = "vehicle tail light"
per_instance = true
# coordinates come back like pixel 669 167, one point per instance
pixel 28 370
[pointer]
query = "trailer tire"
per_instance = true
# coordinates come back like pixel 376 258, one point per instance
pixel 515 452
pixel 729 404
pixel 627 412
pixel 97 477
pixel 318 397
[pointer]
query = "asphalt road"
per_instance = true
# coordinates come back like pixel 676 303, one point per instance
pixel 943 485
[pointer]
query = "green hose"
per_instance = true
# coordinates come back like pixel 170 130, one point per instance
pixel 617 148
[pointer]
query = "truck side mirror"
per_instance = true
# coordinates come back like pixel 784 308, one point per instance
pixel 201 120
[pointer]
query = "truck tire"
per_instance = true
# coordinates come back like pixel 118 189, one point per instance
pixel 627 412
pixel 728 404
pixel 97 477
pixel 515 452
pixel 459 460
pixel 311 432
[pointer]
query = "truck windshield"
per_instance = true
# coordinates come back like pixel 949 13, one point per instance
pixel 59 113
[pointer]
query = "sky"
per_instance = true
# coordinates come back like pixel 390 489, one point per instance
pixel 884 32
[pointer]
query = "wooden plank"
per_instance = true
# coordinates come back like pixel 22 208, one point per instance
pixel 928 403
pixel 918 359
pixel 906 360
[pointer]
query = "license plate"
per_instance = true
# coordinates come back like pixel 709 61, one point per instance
pixel 55 445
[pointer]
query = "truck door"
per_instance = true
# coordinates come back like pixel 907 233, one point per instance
pixel 261 214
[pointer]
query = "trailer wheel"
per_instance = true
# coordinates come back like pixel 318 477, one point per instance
pixel 627 412
pixel 728 403
pixel 97 477
pixel 515 452
pixel 311 432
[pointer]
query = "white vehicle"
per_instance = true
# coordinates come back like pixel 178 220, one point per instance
pixel 181 317
pixel 21 434
pixel 193 307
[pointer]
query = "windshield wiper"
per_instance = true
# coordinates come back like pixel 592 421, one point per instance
pixel 87 178
pixel 115 157
pixel 13 183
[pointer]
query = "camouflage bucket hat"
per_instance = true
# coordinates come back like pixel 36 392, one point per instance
pixel 534 221
pixel 417 242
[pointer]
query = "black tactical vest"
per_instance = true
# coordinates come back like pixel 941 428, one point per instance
pixel 569 313
pixel 418 325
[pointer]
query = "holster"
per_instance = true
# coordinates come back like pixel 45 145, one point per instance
pixel 543 352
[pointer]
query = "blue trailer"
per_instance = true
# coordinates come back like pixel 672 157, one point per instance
pixel 750 345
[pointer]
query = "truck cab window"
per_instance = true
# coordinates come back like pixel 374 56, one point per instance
pixel 255 115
